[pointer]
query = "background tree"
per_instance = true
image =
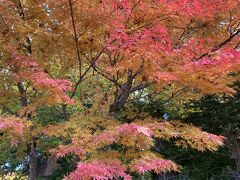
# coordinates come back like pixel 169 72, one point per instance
pixel 222 114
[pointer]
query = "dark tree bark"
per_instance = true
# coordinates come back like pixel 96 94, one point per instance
pixel 122 91
pixel 33 161
pixel 120 100
pixel 22 92
pixel 234 146
pixel 65 113
pixel 236 176
pixel 121 95
pixel 49 166
pixel 32 152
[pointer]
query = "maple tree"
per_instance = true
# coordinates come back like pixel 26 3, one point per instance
pixel 104 53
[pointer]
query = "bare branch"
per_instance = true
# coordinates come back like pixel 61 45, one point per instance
pixel 221 44
pixel 75 37
pixel 140 87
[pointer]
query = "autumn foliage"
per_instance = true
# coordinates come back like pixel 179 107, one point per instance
pixel 106 53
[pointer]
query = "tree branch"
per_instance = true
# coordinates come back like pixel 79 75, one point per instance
pixel 139 87
pixel 75 37
pixel 221 44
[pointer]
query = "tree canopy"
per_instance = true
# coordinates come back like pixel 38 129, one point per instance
pixel 70 68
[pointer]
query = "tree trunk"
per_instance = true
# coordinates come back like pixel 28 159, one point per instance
pixel 22 92
pixel 236 176
pixel 118 103
pixel 233 144
pixel 122 97
pixel 236 155
pixel 49 166
pixel 32 148
pixel 33 161
pixel 65 113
